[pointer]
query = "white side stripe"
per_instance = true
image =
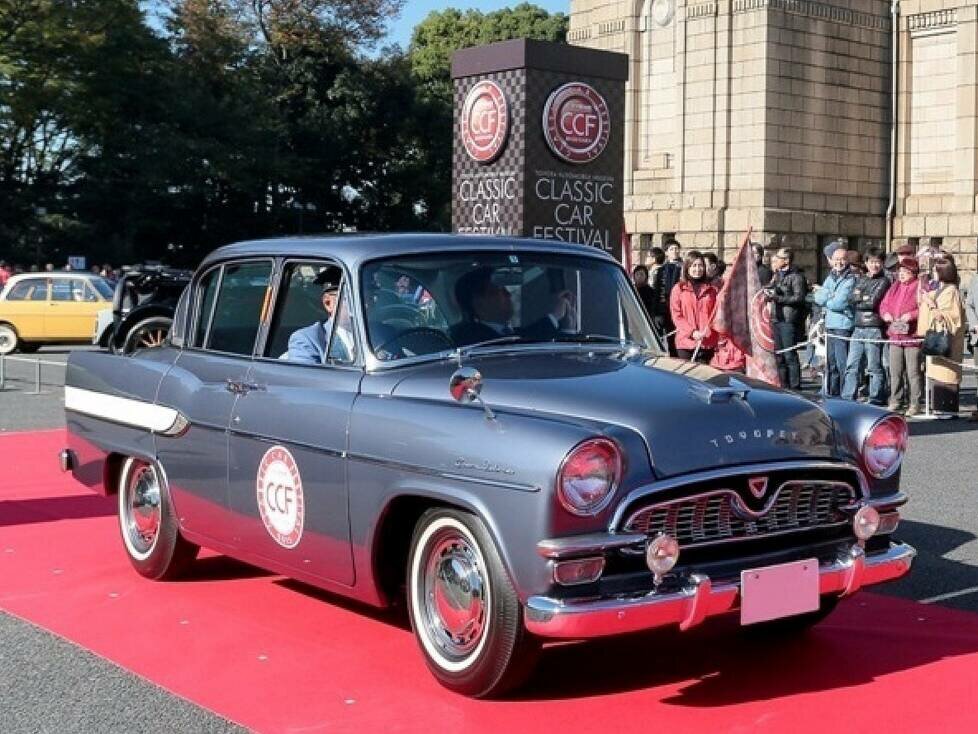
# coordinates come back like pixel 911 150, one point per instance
pixel 137 413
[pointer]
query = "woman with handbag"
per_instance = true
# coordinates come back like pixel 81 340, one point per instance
pixel 899 312
pixel 941 324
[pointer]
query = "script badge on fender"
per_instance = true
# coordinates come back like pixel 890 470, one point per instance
pixel 280 500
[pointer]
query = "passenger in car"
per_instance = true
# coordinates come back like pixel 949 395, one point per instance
pixel 487 310
pixel 309 344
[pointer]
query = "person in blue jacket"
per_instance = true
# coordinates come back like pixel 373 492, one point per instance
pixel 833 296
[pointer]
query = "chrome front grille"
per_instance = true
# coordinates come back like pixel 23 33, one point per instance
pixel 721 515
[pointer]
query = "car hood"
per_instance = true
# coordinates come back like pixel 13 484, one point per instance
pixel 685 412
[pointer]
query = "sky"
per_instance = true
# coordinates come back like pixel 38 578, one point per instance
pixel 414 12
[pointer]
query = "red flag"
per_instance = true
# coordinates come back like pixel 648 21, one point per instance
pixel 744 315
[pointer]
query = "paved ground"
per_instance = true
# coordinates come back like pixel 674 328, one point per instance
pixel 49 685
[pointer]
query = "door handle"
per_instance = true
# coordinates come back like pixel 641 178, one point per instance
pixel 241 388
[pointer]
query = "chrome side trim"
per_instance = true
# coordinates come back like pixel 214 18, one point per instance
pixel 429 471
pixel 587 545
pixel 711 474
pixel 698 599
pixel 126 411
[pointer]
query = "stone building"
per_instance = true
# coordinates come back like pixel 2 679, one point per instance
pixel 777 115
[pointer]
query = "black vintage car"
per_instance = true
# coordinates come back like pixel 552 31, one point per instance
pixel 142 309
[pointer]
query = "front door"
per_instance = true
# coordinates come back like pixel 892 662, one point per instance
pixel 288 439
pixel 71 310
pixel 204 384
pixel 25 307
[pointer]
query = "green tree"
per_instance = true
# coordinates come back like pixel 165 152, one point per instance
pixel 433 42
pixel 443 32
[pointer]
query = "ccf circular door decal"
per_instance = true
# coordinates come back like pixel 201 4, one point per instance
pixel 280 499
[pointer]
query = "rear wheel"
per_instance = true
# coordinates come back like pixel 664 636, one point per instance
pixel 8 339
pixel 150 532
pixel 464 610
pixel 147 334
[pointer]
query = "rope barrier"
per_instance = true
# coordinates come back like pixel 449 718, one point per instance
pixel 26 360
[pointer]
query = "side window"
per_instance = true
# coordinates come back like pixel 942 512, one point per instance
pixel 32 289
pixel 238 310
pixel 343 345
pixel 205 304
pixel 67 289
pixel 303 322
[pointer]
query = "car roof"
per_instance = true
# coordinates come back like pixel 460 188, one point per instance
pixel 53 274
pixel 355 249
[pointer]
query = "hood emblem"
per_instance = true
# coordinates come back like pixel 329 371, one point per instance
pixel 757 486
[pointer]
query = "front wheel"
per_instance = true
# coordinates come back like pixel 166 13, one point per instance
pixel 8 339
pixel 150 532
pixel 464 610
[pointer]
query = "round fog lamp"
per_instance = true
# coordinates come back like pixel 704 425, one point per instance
pixel 866 522
pixel 662 554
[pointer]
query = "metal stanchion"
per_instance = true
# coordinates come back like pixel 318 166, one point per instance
pixel 3 373
pixel 37 379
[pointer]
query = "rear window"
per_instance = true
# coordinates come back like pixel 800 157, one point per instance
pixel 239 308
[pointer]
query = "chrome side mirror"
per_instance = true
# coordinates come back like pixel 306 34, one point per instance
pixel 465 386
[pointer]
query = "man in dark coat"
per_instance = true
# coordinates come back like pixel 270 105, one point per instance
pixel 665 280
pixel 487 309
pixel 787 291
pixel 764 273
pixel 868 332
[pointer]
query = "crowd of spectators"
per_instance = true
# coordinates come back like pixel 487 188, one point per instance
pixel 7 270
pixel 887 320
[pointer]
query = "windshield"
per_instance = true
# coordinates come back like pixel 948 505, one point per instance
pixel 102 286
pixel 428 304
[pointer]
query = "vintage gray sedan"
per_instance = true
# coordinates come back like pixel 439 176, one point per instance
pixel 486 428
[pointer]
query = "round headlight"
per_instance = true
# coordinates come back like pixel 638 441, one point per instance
pixel 866 523
pixel 662 554
pixel 884 446
pixel 588 476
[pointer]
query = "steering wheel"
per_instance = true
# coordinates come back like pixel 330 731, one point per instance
pixel 423 336
pixel 401 311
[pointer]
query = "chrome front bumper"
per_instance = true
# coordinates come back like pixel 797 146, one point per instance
pixel 699 599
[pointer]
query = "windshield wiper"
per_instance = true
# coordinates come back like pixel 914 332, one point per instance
pixel 508 339
pixel 592 338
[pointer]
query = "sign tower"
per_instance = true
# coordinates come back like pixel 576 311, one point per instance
pixel 539 142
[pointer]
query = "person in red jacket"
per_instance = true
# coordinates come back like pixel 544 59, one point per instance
pixel 693 304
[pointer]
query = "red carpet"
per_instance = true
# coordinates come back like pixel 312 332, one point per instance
pixel 277 656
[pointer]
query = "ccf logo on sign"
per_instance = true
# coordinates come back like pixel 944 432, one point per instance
pixel 576 122
pixel 484 121
pixel 280 500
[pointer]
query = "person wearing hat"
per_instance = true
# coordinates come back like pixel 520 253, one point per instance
pixel 833 297
pixel 311 344
pixel 787 293
pixel 899 311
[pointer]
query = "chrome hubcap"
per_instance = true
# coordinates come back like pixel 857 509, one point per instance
pixel 7 340
pixel 454 595
pixel 143 507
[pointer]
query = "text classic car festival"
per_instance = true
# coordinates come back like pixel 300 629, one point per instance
pixel 621 380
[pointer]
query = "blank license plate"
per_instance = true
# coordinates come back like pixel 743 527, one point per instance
pixel 778 591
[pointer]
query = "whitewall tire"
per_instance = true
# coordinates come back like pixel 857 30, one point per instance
pixel 464 610
pixel 149 527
